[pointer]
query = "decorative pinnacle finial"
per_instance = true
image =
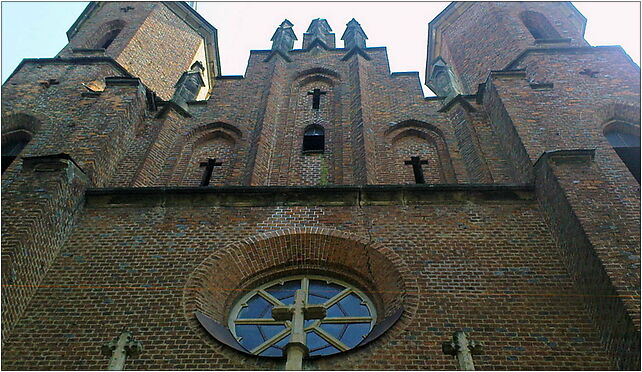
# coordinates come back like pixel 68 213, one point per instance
pixel 319 26
pixel 354 36
pixel 318 31
pixel 283 38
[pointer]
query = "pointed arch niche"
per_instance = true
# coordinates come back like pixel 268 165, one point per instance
pixel 538 25
pixel 212 141
pixel 415 138
pixel 105 35
pixel 314 111
pixel 624 138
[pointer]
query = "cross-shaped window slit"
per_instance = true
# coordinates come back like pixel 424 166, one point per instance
pixel 316 98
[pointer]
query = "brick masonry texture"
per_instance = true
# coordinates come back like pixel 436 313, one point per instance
pixel 525 236
pixel 509 287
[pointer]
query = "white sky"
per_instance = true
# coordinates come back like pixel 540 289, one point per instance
pixel 402 27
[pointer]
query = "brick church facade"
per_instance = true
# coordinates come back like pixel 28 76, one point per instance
pixel 145 192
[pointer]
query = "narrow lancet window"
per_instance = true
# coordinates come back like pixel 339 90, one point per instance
pixel 625 140
pixel 109 38
pixel 539 26
pixel 12 149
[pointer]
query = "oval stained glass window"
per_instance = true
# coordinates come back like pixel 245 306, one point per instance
pixel 350 316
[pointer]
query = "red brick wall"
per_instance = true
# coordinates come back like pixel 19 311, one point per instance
pixel 128 268
pixel 602 217
pixel 563 180
pixel 39 211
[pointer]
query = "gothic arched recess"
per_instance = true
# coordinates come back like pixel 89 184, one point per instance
pixel 216 143
pixel 415 139
pixel 624 137
pixel 313 104
pixel 105 34
pixel 538 25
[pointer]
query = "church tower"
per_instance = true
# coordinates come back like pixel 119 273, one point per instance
pixel 467 40
pixel 156 42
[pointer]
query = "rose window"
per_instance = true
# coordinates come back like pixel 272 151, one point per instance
pixel 335 316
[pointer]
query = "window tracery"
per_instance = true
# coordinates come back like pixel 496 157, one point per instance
pixel 349 317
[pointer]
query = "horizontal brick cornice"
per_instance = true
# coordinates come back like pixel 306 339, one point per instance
pixel 567 50
pixel 252 196
pixel 72 61
pixel 566 156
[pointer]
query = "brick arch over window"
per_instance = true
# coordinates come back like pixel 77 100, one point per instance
pixel 538 25
pixel 17 132
pixel 218 141
pixel 415 138
pixel 619 124
pixel 228 274
pixel 105 34
pixel 319 71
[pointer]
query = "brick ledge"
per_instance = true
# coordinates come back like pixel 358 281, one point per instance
pixel 257 196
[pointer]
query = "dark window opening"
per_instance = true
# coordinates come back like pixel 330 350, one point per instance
pixel 314 140
pixel 108 38
pixel 539 26
pixel 627 146
pixel 631 158
pixel 11 150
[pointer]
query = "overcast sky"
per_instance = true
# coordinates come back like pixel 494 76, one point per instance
pixel 33 29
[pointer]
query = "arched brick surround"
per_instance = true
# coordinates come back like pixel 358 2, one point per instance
pixel 416 138
pixel 216 140
pixel 226 275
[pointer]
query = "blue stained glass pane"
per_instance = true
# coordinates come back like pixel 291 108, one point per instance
pixel 325 290
pixel 257 307
pixel 276 350
pixel 335 312
pixel 285 292
pixel 325 351
pixel 308 322
pixel 269 331
pixel 351 304
pixel 314 341
pixel 250 335
pixel 354 334
pixel 312 299
pixel 335 330
pixel 272 351
pixel 284 341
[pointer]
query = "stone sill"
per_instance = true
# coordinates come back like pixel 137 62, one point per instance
pixel 265 196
